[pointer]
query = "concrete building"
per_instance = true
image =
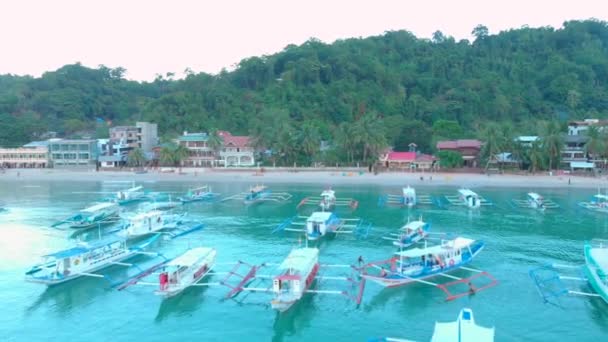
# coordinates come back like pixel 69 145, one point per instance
pixel 402 161
pixel 201 155
pixel 236 150
pixel 73 153
pixel 143 135
pixel 581 127
pixel 24 157
pixel 468 148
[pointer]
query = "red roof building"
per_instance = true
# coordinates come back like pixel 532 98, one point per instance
pixel 468 148
pixel 406 160
pixel 236 150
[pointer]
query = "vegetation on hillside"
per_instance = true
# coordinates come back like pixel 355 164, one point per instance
pixel 360 95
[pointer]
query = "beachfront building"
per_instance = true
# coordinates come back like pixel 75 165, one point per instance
pixel 236 150
pixel 574 149
pixel 143 135
pixel 200 154
pixel 112 153
pixel 24 157
pixel 403 161
pixel 581 127
pixel 73 153
pixel 468 148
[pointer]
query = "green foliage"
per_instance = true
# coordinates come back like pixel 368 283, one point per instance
pixel 359 94
pixel 136 158
pixel 450 159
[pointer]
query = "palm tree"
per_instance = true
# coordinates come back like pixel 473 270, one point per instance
pixel 345 137
pixel 215 142
pixel 492 143
pixel 166 156
pixel 310 139
pixel 369 135
pixel 595 143
pixel 536 157
pixel 136 157
pixel 180 153
pixel 553 143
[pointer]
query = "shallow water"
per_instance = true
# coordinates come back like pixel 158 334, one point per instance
pixel 86 309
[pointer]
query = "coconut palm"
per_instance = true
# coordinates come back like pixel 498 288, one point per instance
pixel 369 135
pixel 552 143
pixel 215 142
pixel 166 156
pixel 180 153
pixel 595 143
pixel 136 157
pixel 345 137
pixel 493 142
pixel 310 139
pixel 536 157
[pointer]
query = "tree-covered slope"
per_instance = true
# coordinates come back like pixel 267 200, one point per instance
pixel 519 76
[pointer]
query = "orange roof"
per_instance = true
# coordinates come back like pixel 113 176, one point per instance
pixel 234 140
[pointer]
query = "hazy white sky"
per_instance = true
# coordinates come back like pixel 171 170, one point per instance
pixel 150 36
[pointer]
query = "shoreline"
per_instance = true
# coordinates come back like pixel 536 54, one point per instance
pixel 347 177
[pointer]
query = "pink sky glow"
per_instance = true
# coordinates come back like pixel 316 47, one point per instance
pixel 148 36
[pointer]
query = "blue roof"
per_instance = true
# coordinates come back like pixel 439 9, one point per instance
pixel 68 252
pixel 43 143
pixel 194 137
pixel 84 248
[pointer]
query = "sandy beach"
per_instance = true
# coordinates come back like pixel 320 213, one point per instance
pixel 336 177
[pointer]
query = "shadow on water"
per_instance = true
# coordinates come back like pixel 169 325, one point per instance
pixel 294 320
pixel 599 313
pixel 63 298
pixel 183 304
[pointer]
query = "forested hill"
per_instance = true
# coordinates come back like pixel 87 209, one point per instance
pixel 518 76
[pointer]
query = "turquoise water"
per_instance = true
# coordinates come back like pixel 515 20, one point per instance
pixel 86 309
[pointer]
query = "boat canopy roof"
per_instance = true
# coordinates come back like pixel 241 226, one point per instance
pixel 467 192
pixel 320 216
pixel 601 196
pixel 457 243
pixel 191 256
pixel 328 192
pixel 300 259
pixel 414 225
pixel 99 206
pixel 134 189
pixel 258 188
pixel 464 329
pixel 534 196
pixel 200 188
pixel 83 247
pixel 409 191
pixel 151 213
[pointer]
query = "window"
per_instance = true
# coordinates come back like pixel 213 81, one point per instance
pixel 83 156
pixel 84 147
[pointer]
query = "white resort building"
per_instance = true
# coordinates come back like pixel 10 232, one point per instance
pixel 236 150
pixel 24 157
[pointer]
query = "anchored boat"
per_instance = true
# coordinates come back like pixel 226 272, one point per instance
pixel 599 203
pixel 408 198
pixel 292 279
pixel 596 266
pixel 260 193
pixel 467 198
pixel 410 234
pixel 83 260
pixel 178 274
pixel 328 201
pixel 156 221
pixel 463 329
pixel 201 193
pixel 321 223
pixel 418 264
pixel 93 216
pixel 131 195
pixel 536 201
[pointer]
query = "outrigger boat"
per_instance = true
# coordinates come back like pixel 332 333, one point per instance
pixel 293 278
pixel 260 193
pixel 84 259
pixel 467 198
pixel 161 205
pixel 93 216
pixel 411 233
pixel 463 329
pixel 407 198
pixel 155 221
pixel 178 274
pixel 321 223
pixel 549 280
pixel 536 201
pixel 131 195
pixel 201 193
pixel 418 264
pixel 327 201
pixel 599 202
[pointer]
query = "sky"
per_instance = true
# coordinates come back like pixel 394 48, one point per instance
pixel 148 37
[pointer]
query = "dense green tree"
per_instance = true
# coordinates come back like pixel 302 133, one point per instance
pixel 136 158
pixel 450 159
pixel 552 142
